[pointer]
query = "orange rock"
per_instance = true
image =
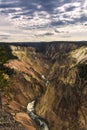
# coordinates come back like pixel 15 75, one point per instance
pixel 14 105
pixel 26 121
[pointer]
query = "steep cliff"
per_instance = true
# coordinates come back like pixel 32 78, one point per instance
pixel 56 78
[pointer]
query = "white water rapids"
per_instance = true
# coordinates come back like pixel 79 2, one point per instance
pixel 39 121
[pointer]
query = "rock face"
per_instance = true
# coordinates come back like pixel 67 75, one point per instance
pixel 56 78
pixel 8 123
pixel 25 120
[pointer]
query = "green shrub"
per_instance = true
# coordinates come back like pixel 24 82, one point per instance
pixel 5 72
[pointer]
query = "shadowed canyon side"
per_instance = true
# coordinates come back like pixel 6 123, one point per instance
pixel 54 75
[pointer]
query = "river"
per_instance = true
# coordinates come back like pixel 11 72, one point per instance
pixel 38 120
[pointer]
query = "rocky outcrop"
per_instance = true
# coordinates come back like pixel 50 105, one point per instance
pixel 26 121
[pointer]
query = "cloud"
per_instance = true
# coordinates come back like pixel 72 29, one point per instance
pixel 66 8
pixel 61 31
pixel 44 34
pixel 33 16
pixel 4 36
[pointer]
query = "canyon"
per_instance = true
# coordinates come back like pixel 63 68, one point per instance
pixel 54 75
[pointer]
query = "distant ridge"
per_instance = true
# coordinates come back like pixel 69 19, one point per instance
pixel 51 42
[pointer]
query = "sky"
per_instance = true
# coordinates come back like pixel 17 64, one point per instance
pixel 43 20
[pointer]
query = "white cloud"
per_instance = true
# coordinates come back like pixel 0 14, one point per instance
pixel 25 21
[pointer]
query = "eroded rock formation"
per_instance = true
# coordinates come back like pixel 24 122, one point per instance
pixel 56 78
